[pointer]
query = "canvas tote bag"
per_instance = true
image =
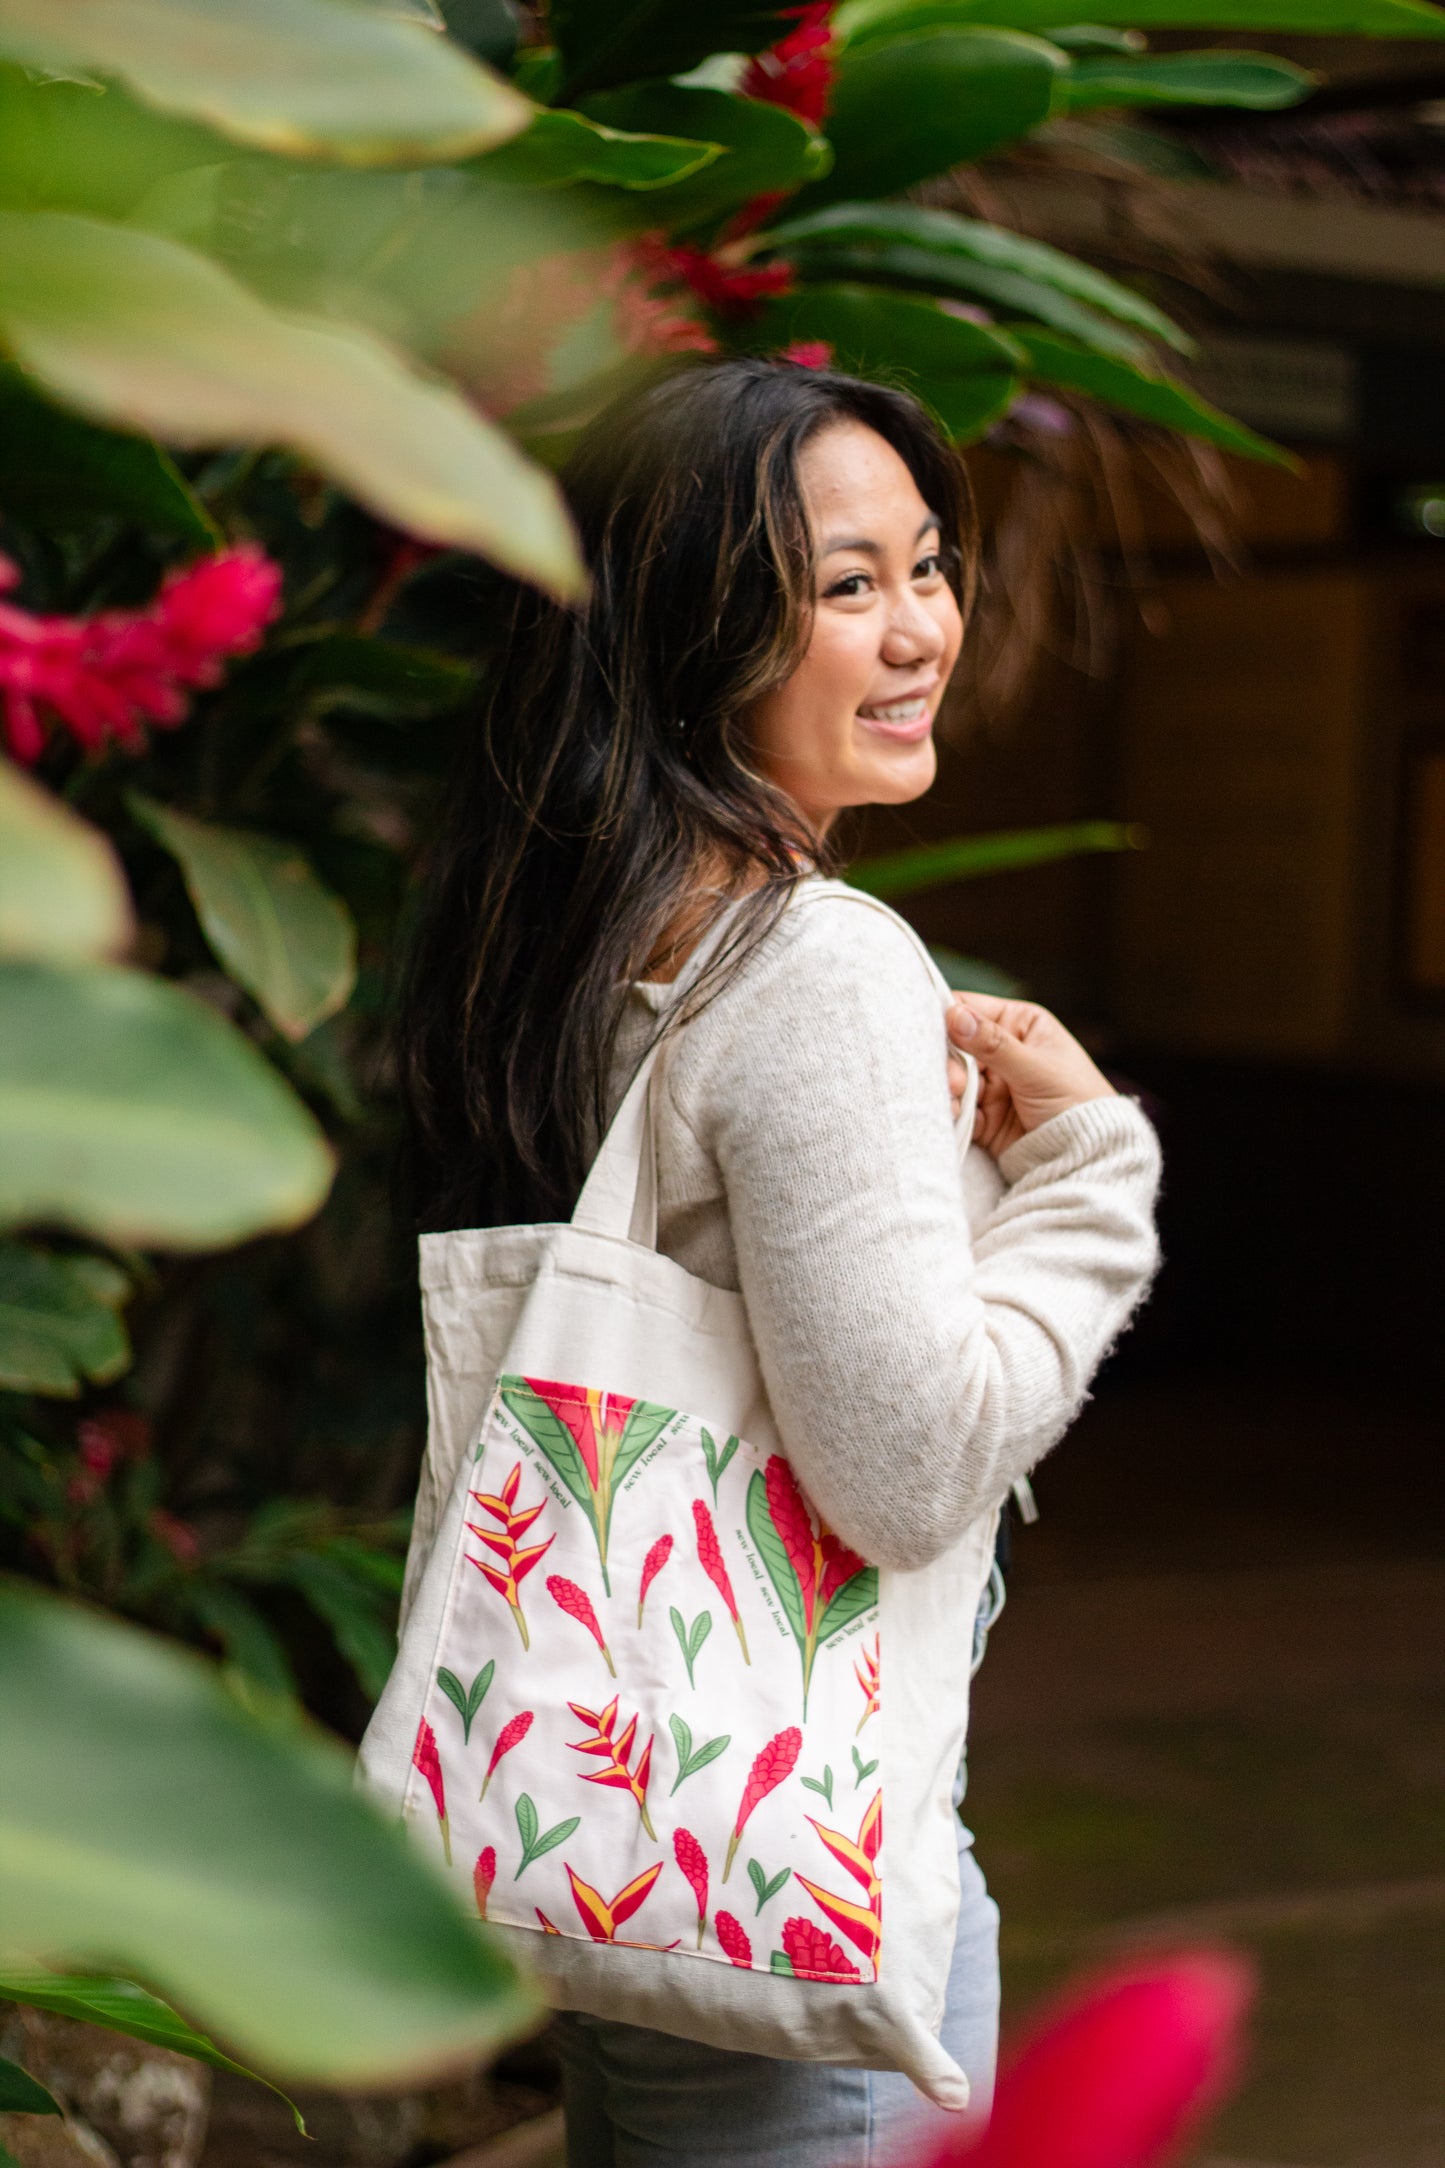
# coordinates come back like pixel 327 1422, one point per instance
pixel 690 1756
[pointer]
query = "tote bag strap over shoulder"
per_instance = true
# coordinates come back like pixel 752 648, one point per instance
pixel 619 1196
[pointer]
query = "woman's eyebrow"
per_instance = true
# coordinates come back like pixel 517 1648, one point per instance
pixel 875 549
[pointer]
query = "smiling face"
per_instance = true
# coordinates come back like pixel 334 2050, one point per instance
pixel 853 725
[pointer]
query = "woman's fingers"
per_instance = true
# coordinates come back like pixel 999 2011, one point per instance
pixel 1027 1058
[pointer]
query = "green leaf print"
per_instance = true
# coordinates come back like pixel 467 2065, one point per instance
pixel 466 1700
pixel 556 1441
pixel 533 1845
pixel 764 1890
pixel 824 1790
pixel 852 1600
pixel 717 1462
pixel 775 1557
pixel 688 1762
pixel 691 1638
pixel 864 1768
pixel 644 1425
pixel 781 1962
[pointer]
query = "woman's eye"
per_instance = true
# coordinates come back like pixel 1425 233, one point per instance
pixel 849 585
pixel 929 565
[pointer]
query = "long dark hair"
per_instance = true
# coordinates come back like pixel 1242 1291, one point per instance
pixel 609 764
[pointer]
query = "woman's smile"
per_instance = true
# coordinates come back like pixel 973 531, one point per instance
pixel 905 720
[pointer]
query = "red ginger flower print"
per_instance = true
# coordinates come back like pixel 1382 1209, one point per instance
pixel 514 1560
pixel 693 1861
pixel 710 1558
pixel 426 1759
pixel 652 1566
pixel 814 1955
pixel 592 1440
pixel 1119 2070
pixel 732 1939
pixel 484 1874
pixel 821 1584
pixel 577 1604
pixel 797 72
pixel 862 1924
pixel 602 1917
pixel 616 1752
pixel 776 1762
pixel 511 1734
pixel 106 676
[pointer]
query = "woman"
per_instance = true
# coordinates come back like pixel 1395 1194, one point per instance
pixel 781 580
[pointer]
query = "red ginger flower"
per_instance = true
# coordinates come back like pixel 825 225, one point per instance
pixel 777 1760
pixel 105 676
pixel 511 1734
pixel 426 1759
pixel 797 72
pixel 710 1558
pixel 1119 2070
pixel 729 289
pixel 732 1939
pixel 815 1955
pixel 807 354
pixel 692 1859
pixel 577 1604
pixel 484 1874
pixel 652 1566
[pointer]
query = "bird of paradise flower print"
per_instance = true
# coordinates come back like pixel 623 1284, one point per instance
pixel 514 1560
pixel 592 1439
pixel 602 1916
pixel 615 1748
pixel 866 1671
pixel 822 1586
pixel 862 1924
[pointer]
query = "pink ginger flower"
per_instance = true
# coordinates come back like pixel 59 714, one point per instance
pixel 652 1566
pixel 732 1939
pixel 106 676
pixel 710 1558
pixel 577 1604
pixel 484 1874
pixel 426 1758
pixel 731 290
pixel 807 354
pixel 1118 2072
pixel 816 1956
pixel 511 1734
pixel 775 1762
pixel 692 1860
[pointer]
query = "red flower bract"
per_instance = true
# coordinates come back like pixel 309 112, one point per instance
pixel 1117 2072
pixel 105 676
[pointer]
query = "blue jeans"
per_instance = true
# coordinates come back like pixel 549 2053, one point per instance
pixel 641 2099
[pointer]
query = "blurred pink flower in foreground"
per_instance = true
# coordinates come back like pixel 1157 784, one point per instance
pixel 1119 2071
pixel 106 676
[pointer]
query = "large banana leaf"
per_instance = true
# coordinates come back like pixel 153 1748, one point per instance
pixel 313 78
pixel 938 252
pixel 860 20
pixel 765 148
pixel 966 373
pixel 62 893
pixel 132 1110
pixel 60 1322
pixel 142 332
pixel 909 107
pixel 149 1825
pixel 1154 398
pixel 276 927
pixel 603 42
pixel 1254 80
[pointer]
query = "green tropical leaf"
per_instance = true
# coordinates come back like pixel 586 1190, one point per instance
pixel 467 1700
pixel 122 2007
pixel 862 1769
pixel 60 1321
pixel 773 1552
pixel 456 1694
pixel 602 42
pixel 966 372
pixel 554 1439
pixel 859 20
pixel 308 78
pixel 141 332
pixel 690 1638
pixel 145 1815
pixel 248 1641
pixel 369 676
pixel 965 92
pixel 855 1597
pixel 131 1110
pixel 938 249
pixel 763 147
pixel 1154 398
pixel 62 893
pixel 681 1739
pixel 20 2094
pixel 276 927
pixel 717 1463
pixel 1253 80
pixel 355 1614
pixel 644 1425
pixel 560 148
pixel 763 1889
pixel 781 1962
pixel 964 858
pixel 547 1842
pixel 57 469
pixel 963 972
pixel 526 1813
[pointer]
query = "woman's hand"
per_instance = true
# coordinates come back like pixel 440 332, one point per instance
pixel 1030 1067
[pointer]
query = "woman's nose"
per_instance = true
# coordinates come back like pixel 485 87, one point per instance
pixel 913 632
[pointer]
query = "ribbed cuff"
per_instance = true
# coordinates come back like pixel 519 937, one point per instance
pixel 1080 1134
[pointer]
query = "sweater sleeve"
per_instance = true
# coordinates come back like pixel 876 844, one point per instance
pixel 915 1367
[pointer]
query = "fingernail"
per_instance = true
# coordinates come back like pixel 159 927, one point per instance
pixel 965 1022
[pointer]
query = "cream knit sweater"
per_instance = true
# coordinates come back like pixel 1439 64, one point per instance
pixel 926 1331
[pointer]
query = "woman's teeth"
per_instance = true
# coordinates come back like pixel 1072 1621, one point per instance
pixel 902 711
